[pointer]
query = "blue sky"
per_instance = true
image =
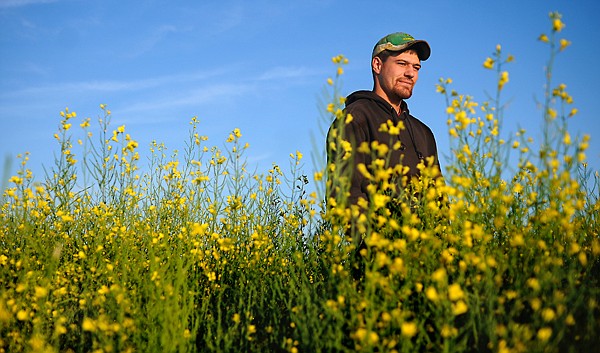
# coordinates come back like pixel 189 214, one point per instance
pixel 261 66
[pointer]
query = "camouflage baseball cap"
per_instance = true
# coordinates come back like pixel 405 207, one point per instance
pixel 400 41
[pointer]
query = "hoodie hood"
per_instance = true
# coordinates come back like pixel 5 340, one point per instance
pixel 375 98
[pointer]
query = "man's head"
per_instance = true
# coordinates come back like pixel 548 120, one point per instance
pixel 395 63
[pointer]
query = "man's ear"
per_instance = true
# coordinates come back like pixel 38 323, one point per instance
pixel 376 64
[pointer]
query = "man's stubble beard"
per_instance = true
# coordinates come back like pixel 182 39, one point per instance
pixel 403 92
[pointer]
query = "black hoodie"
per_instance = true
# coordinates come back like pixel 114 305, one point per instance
pixel 369 111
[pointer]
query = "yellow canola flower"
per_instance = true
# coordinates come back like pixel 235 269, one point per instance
pixel 543 38
pixel 431 294
pixel 373 337
pixel 573 112
pixel 88 325
pixel 380 201
pixel 564 44
pixel 21 287
pixel 40 292
pixel 533 283
pixel 199 229
pixel 349 118
pixel 347 147
pixel 22 315
pixel 459 308
pixel 397 265
pixel 362 169
pixel 298 156
pixel 449 331
pixel 557 24
pixel 16 180
pixel 237 132
pixel 544 334
pixel 467 150
pixel 582 257
pixel 570 320
pixel 455 292
pixel 364 147
pixel 132 145
pixel 488 63
pixel 361 333
pixel 318 176
pixel 419 287
pixel 381 148
pixel 439 275
pixel 390 128
pixel 340 59
pixel 409 329
pixel 548 314
pixel 503 79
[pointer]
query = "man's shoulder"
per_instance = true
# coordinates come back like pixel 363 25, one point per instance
pixel 359 110
pixel 360 98
pixel 362 104
pixel 420 124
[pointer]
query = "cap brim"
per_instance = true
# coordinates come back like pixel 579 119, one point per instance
pixel 422 48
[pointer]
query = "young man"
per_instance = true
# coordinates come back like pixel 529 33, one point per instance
pixel 395 63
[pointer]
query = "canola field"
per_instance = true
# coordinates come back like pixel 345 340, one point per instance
pixel 194 253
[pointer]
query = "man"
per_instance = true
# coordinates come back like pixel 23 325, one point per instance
pixel 395 63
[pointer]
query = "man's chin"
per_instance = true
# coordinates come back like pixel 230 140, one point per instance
pixel 405 94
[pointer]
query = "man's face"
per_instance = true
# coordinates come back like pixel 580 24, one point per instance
pixel 397 75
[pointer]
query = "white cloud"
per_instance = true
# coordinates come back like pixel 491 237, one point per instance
pixel 282 72
pixel 229 19
pixel 157 98
pixel 151 41
pixel 113 85
pixel 277 73
pixel 19 3
pixel 254 159
pixel 186 98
